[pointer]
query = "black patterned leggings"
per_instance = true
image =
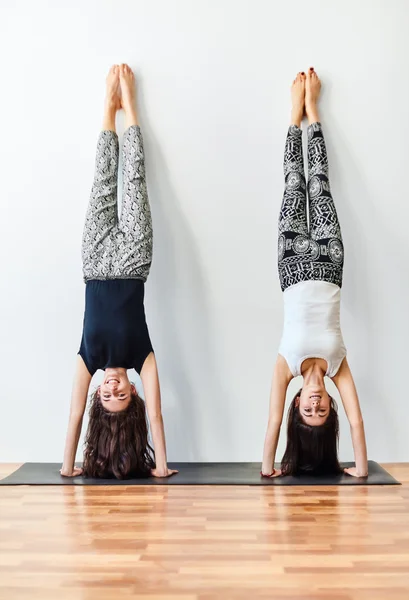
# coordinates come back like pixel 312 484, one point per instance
pixel 314 252
pixel 118 247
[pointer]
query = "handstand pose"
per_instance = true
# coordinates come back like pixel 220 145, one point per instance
pixel 117 255
pixel 310 264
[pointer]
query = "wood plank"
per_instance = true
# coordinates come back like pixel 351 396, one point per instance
pixel 204 543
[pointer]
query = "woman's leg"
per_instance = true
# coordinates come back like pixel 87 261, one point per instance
pixel 101 215
pixel 293 238
pixel 325 229
pixel 135 221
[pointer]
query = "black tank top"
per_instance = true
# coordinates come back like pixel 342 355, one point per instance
pixel 115 333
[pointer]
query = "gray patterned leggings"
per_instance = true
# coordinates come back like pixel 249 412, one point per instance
pixel 314 252
pixel 115 248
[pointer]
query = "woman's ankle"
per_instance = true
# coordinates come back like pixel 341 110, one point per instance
pixel 108 122
pixel 312 114
pixel 131 118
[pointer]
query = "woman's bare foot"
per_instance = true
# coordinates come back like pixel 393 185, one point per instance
pixel 298 99
pixel 112 98
pixel 312 92
pixel 128 102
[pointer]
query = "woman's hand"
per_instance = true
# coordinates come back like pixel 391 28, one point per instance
pixel 164 472
pixel 353 471
pixel 74 472
pixel 275 473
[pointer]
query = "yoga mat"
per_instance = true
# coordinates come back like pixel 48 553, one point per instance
pixel 197 474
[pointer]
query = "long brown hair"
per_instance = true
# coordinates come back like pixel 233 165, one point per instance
pixel 116 443
pixel 311 449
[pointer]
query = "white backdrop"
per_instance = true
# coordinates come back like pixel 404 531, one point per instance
pixel 213 81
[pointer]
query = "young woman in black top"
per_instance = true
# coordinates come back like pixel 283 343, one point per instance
pixel 117 254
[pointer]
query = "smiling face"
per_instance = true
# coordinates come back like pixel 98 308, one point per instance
pixel 116 390
pixel 314 404
pixel 312 433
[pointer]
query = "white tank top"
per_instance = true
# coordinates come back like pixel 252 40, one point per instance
pixel 312 326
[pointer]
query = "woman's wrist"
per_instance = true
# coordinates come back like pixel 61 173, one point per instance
pixel 362 470
pixel 66 470
pixel 267 467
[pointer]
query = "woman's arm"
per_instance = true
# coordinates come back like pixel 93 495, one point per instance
pixel 151 388
pixel 281 378
pixel 82 379
pixel 346 387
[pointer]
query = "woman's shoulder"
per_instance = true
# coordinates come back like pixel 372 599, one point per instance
pixel 339 368
pixel 283 368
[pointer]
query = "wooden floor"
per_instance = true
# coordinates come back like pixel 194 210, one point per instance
pixel 201 543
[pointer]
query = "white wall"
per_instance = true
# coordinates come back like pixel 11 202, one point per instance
pixel 214 95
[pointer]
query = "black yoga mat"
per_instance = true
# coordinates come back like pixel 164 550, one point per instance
pixel 196 474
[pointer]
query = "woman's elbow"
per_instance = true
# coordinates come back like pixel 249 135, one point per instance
pixel 357 423
pixel 274 424
pixel 76 416
pixel 155 417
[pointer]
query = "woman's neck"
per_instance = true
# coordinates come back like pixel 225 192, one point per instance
pixel 314 375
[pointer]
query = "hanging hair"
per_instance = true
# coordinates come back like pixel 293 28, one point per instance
pixel 311 449
pixel 116 443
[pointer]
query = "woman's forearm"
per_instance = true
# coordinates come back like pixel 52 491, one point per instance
pixel 281 378
pixel 159 442
pixel 71 443
pixel 80 388
pixel 359 445
pixel 270 447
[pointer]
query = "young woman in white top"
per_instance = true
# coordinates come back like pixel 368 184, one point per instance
pixel 310 263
